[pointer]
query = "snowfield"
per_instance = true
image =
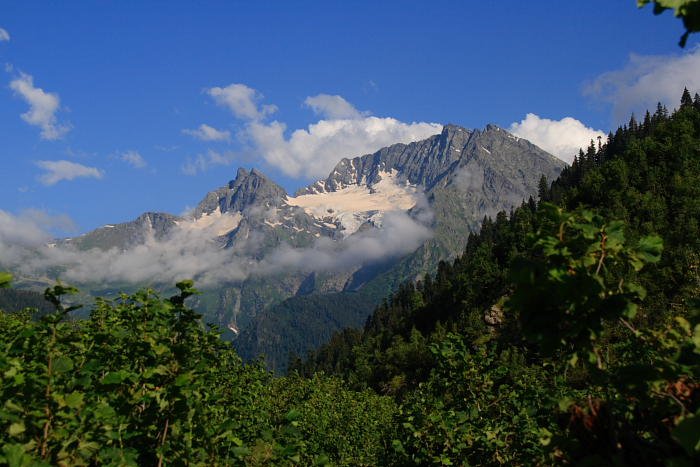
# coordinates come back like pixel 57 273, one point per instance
pixel 216 222
pixel 354 205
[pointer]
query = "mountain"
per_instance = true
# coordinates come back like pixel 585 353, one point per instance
pixel 284 272
pixel 461 176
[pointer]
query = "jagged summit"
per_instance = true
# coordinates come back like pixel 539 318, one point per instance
pixel 425 163
pixel 249 188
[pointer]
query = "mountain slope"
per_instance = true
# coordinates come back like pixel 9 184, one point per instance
pixel 459 177
pixel 286 271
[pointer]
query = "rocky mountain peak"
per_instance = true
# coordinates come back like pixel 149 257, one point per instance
pixel 249 188
pixel 419 163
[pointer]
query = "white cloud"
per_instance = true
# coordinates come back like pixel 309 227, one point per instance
pixel 202 162
pixel 4 35
pixel 646 80
pixel 332 107
pixel 241 100
pixel 134 159
pixel 65 170
pixel 314 151
pixel 193 253
pixel 31 227
pixel 343 131
pixel 208 133
pixel 562 138
pixel 400 234
pixel 42 107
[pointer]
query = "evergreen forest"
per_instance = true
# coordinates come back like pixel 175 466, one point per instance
pixel 567 333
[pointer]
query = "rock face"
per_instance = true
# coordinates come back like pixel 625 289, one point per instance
pixel 247 189
pixel 156 225
pixel 465 175
pixel 420 163
pixel 446 183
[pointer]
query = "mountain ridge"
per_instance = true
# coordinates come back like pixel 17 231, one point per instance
pixel 376 221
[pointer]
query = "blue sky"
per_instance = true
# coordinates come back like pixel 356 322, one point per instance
pixel 102 103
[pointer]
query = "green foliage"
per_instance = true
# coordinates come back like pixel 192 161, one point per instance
pixel 573 282
pixel 688 10
pixel 343 426
pixel 142 382
pixel 480 406
pixel 562 335
pixel 139 382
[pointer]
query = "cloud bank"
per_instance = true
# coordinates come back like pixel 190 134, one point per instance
pixel 314 151
pixel 42 107
pixel 195 253
pixel 400 234
pixel 4 35
pixel 31 227
pixel 66 170
pixel 562 138
pixel 646 80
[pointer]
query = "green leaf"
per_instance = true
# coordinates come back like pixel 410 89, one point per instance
pixel 16 428
pixel 114 377
pixel 545 436
pixel 62 364
pixel 15 455
pixel 565 403
pixel 293 415
pixel 74 400
pixel 183 379
pixel 649 248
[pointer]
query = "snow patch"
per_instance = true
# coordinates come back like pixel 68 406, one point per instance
pixel 216 222
pixel 355 204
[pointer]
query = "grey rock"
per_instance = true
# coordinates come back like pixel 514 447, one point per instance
pixel 246 190
pixel 156 225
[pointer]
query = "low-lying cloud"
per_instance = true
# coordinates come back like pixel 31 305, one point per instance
pixel 31 227
pixel 196 253
pixel 561 138
pixel 4 35
pixel 399 235
pixel 646 80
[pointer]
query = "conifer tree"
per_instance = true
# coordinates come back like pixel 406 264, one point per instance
pixel 686 100
pixel 543 189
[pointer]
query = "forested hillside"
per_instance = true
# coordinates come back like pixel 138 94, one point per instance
pixel 511 325
pixel 567 333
